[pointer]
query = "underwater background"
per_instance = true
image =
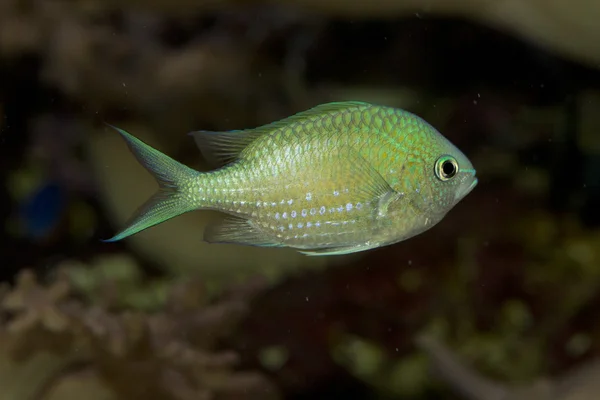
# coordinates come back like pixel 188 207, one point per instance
pixel 500 300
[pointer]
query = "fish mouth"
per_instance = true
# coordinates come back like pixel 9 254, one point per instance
pixel 473 184
pixel 462 193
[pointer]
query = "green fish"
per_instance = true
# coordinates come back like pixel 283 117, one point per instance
pixel 336 179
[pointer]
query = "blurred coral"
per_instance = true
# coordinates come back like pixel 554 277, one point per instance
pixel 582 383
pixel 54 342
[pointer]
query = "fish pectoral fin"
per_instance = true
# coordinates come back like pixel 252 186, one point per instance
pixel 340 250
pixel 221 148
pixel 385 201
pixel 237 230
pixel 367 183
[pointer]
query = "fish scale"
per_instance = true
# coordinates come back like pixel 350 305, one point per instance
pixel 335 179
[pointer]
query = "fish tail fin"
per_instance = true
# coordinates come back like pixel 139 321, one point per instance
pixel 171 199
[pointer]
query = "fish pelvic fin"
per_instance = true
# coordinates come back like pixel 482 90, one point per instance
pixel 173 196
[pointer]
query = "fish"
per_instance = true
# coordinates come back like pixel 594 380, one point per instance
pixel 338 178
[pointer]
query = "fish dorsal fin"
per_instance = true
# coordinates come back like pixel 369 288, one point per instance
pixel 314 112
pixel 221 148
pixel 237 230
pixel 326 108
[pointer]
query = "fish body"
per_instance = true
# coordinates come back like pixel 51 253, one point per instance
pixel 338 178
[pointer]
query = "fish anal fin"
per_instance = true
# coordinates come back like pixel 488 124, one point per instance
pixel 222 148
pixel 237 230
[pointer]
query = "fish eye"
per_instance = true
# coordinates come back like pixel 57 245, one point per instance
pixel 446 168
